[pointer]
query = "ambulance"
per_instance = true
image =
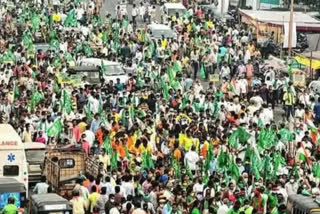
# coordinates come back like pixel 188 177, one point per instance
pixel 13 162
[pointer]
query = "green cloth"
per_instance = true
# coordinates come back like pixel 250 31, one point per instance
pixel 195 211
pixel 10 209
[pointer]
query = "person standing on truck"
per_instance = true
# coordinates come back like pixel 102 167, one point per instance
pixel 42 187
pixel 10 207
pixel 27 135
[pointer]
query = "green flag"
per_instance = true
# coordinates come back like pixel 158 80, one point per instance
pixel 222 160
pixel 302 157
pixel 27 39
pixel 188 171
pixel 278 160
pixel 147 162
pixel 87 50
pixel 55 129
pixel 256 165
pixel 243 134
pixel 107 145
pixel 67 103
pixel 165 89
pixel 88 111
pixel 234 171
pixel 286 135
pixel 114 160
pixel 71 20
pixel 176 167
pixel 177 67
pixel 316 170
pixel 233 140
pixel 35 22
pixel 202 72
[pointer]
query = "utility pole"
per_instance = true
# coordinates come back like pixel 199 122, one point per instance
pixel 222 9
pixel 290 28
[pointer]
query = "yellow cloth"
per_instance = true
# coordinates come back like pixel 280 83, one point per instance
pixel 164 43
pixel 180 116
pixel 82 126
pixel 117 117
pixel 56 17
pixel 189 28
pixel 188 142
pixel 93 199
pixel 210 24
pixel 289 99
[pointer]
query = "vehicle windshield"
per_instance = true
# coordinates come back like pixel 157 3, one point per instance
pixel 157 33
pixel 35 155
pixel 113 70
pixel 173 11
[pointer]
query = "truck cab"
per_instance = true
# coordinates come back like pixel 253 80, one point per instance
pixel 35 154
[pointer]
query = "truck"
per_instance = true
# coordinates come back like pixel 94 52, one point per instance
pixel 64 166
pixel 13 162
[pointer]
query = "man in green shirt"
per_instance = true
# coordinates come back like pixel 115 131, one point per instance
pixel 10 208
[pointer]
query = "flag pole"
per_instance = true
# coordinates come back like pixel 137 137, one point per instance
pixel 290 28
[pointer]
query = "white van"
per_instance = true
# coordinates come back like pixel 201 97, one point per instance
pixel 13 162
pixel 114 70
pixel 172 8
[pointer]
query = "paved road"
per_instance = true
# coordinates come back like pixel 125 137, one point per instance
pixel 109 6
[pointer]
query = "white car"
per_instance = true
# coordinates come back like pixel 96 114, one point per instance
pixel 113 71
pixel 159 30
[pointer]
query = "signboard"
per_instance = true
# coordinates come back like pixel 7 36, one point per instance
pixel 267 4
pixel 8 143
pixel 4 198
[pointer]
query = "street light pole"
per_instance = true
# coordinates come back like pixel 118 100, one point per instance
pixel 290 28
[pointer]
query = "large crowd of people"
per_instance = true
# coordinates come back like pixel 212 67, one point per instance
pixel 169 139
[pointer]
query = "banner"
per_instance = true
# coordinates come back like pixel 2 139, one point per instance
pixel 286 35
pixel 315 64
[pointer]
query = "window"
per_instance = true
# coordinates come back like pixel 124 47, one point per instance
pixel 66 163
pixel 10 170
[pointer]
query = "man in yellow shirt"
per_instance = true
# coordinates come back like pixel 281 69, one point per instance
pixel 93 198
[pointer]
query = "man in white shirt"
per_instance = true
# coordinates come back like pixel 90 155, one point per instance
pixel 223 209
pixel 127 186
pixel 108 185
pixel 191 158
pixel 225 71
